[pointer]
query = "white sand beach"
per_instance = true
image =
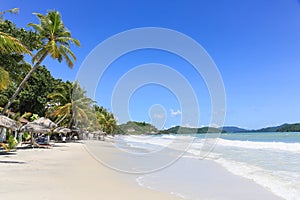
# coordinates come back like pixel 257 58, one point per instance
pixel 68 171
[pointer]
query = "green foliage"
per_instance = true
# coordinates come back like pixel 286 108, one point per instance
pixel 56 38
pixel 105 119
pixel 34 117
pixel 33 89
pixel 33 96
pixel 26 136
pixel 13 62
pixel 12 142
pixel 69 105
pixel 4 79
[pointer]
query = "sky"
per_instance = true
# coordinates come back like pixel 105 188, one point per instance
pixel 255 46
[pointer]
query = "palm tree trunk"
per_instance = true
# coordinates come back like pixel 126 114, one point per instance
pixel 70 124
pixel 23 83
pixel 61 119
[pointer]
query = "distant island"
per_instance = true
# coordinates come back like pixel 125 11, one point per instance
pixel 281 128
pixel 137 128
pixel 188 130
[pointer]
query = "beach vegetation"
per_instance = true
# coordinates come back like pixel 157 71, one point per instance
pixel 105 119
pixel 55 41
pixel 30 91
pixel 69 105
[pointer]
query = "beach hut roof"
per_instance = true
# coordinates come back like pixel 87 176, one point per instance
pixel 34 128
pixel 99 132
pixel 8 123
pixel 41 125
pixel 47 123
pixel 62 130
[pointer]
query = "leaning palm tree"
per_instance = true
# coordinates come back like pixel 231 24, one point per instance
pixel 70 104
pixel 56 43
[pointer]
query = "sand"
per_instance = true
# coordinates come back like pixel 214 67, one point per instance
pixel 68 171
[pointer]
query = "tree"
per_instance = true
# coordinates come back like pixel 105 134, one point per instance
pixel 105 119
pixel 56 41
pixel 33 96
pixel 69 105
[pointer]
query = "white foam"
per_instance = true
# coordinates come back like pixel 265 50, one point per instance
pixel 282 183
pixel 291 147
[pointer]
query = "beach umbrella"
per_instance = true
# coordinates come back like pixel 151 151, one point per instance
pixel 8 123
pixel 47 123
pixel 62 130
pixel 100 132
pixel 35 128
pixel 41 125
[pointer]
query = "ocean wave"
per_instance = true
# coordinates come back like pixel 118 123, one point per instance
pixel 282 183
pixel 291 147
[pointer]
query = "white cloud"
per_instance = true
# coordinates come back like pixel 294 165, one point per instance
pixel 190 126
pixel 175 113
pixel 159 116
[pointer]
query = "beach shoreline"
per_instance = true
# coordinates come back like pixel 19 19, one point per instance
pixel 68 171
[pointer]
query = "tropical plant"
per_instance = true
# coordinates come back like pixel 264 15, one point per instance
pixel 4 79
pixel 12 142
pixel 70 106
pixel 33 96
pixel 105 119
pixel 9 43
pixel 56 41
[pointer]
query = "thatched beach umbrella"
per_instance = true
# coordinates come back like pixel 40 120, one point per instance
pixel 41 125
pixel 62 130
pixel 47 123
pixel 8 123
pixel 35 128
pixel 99 134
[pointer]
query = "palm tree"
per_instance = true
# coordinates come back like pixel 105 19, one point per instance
pixel 9 44
pixel 70 104
pixel 56 43
pixel 106 120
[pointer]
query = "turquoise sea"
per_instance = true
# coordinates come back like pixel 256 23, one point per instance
pixel 272 160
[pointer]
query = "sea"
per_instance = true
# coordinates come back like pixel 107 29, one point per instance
pixel 270 159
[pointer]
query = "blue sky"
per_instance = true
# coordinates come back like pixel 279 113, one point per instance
pixel 255 45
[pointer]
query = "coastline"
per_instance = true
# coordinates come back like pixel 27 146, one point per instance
pixel 68 171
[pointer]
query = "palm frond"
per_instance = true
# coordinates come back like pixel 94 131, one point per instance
pixel 9 44
pixel 4 79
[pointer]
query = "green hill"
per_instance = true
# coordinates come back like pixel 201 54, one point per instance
pixel 290 128
pixel 187 130
pixel 132 127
